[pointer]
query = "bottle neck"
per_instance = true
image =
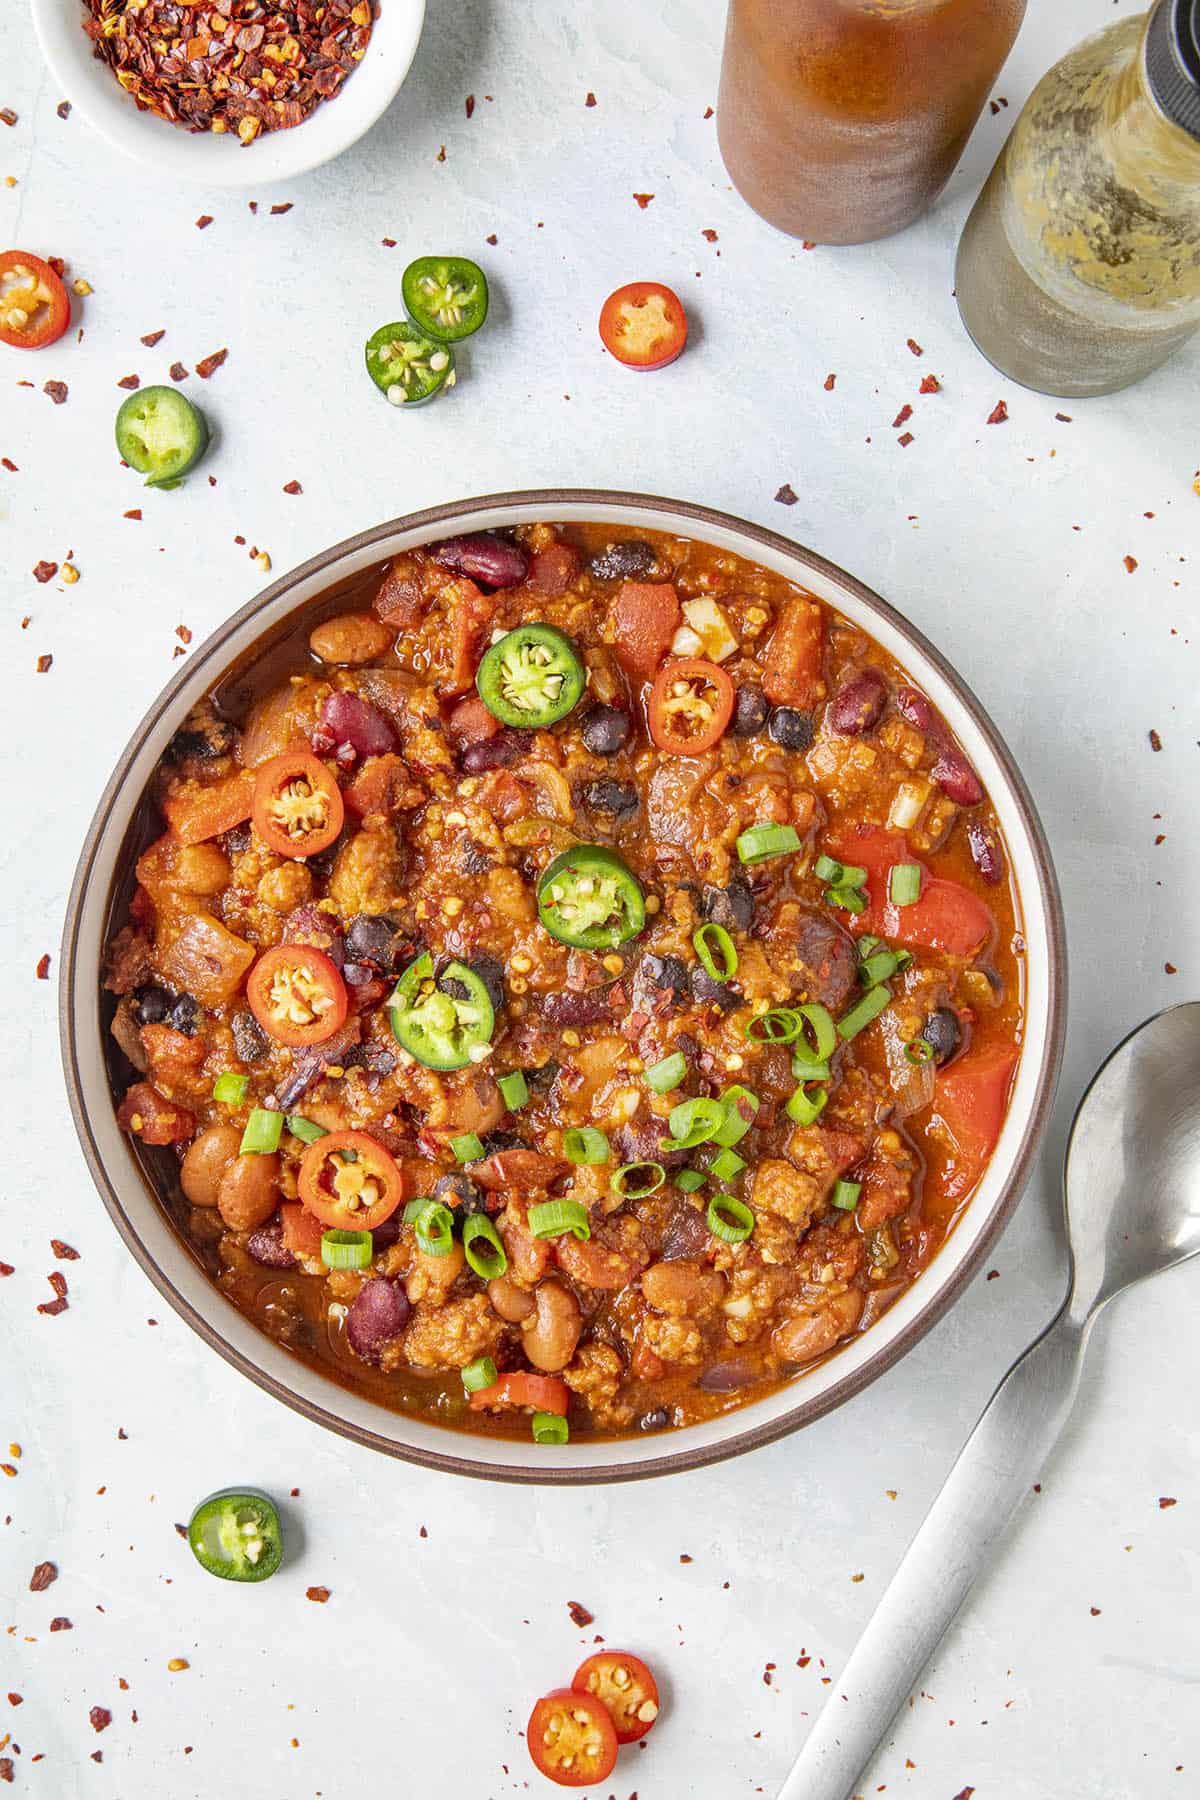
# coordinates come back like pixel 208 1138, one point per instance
pixel 1151 155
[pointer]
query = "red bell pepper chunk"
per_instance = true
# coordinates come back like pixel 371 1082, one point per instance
pixel 969 1103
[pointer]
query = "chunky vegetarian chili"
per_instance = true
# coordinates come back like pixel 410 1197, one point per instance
pixel 575 984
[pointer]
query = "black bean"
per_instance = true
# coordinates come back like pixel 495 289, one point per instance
pixel 152 1005
pixel 710 992
pixel 618 798
pixel 472 860
pixel 790 728
pixel 185 1014
pixel 656 976
pixel 503 1140
pixel 943 1033
pixel 490 971
pixel 463 1196
pixel 539 1081
pixel 496 753
pixel 750 711
pixel 731 906
pixel 249 1038
pixel 605 730
pixel 375 939
pixel 658 1420
pixel 617 562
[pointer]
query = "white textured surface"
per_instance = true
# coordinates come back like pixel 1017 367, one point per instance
pixel 418 1674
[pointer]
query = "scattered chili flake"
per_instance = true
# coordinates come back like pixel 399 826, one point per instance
pixel 905 439
pixel 183 633
pixel 902 417
pixel 1170 969
pixel 8 1469
pixel 441 155
pixel 101 1718
pixel 1165 1501
pixel 44 664
pixel 768 1671
pixel 998 414
pixel 8 115
pixel 58 265
pixel 591 98
pixel 208 365
pixel 388 243
pixel 57 391
pixel 16 1699
pixel 708 112
pixel 5 1269
pixel 319 1594
pixel 858 1578
pixel 98 1756
pixel 130 381
pixel 135 512
pixel 1130 564
pixel 9 465
pixel 643 200
pixel 45 571
pixel 492 238
pixel 63 109
pixel 61 1624
pixel 64 1252
pixel 930 385
pixel 46 1572
pixel 1095 1611
pixel 204 221
pixel 177 372
pixel 709 234
pixel 6 1768
pixel 1064 418
pixel 469 104
pixel 292 487
pixel 965 1794
pixel 787 495
pixel 1155 741
pixel 802 1662
pixel 177 1664
pixel 993 1274
pixel 830 383
pixel 282 206
pixel 685 1559
pixel 914 347
pixel 579 1613
pixel 253 205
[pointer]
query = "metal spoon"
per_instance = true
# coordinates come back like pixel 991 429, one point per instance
pixel 1133 1209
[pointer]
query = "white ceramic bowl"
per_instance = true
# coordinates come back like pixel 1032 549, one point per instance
pixel 219 160
pixel 143 1223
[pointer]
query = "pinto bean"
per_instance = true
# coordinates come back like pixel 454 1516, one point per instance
pixel 857 707
pixel 818 1328
pixel 549 1339
pixel 513 1303
pixel 682 1288
pixel 249 1191
pixel 350 639
pixel 208 1157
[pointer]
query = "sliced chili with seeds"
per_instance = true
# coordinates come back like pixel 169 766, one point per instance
pixel 350 1182
pixel 298 808
pixel 625 1686
pixel 297 995
pixel 588 898
pixel 236 1535
pixel 447 296
pixel 34 308
pixel 445 1022
pixel 531 677
pixel 691 703
pixel 572 1738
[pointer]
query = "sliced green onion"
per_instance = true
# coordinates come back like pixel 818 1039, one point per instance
pixel 863 1011
pixel 434 1226
pixel 741 1108
pixel 778 1025
pixel 919 1050
pixel 823 1041
pixel 729 1218
pixel 468 1147
pixel 415 1208
pixel 850 899
pixel 230 1089
pixel 303 1128
pixel 807 1104
pixel 633 1181
pixel 263 1132
pixel 727 1164
pixel 763 841
pixel 845 1195
pixel 479 1374
pixel 838 874
pixel 904 884
pixel 865 944
pixel 804 1070
pixel 584 1144
pixel 514 1090
pixel 550 1428
pixel 484 1248
pixel 882 966
pixel 347 1249
pixel 716 950
pixel 693 1122
pixel 667 1074
pixel 688 1180
pixel 552 1218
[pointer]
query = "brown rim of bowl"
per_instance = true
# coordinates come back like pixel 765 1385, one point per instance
pixel 805 1411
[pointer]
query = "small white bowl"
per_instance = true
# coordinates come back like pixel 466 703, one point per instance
pixel 218 159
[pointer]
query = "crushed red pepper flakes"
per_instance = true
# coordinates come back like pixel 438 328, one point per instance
pixel 993 1274
pixel 643 200
pixel 469 105
pixel 930 385
pixel 43 974
pixel 6 1269
pixel 591 98
pixel 282 206
pixel 153 337
pixel 1166 1500
pixel 183 633
pixel 64 1252
pixel 292 487
pixel 130 381
pixel 61 1624
pixel 1155 741
pixel 1065 418
pixel 16 1699
pixel 830 383
pixel 63 109
pixel 492 238
pixel 208 365
pixel 902 417
pixel 57 391
pixel 135 512
pixel 685 1559
pixel 44 664
pixel 42 1576
pixel 1095 1611
pixel 8 115
pixel 441 155
pixel 914 346
pixel 11 466
pixel 1130 564
pixel 905 439
pixel 965 1794
pixel 708 112
pixel 998 414
pixel 177 372
pixel 787 495
pixel 579 1613
pixel 388 243
pixel 204 221
pixel 709 235
pixel 45 571
pixel 100 1717
pixel 319 1594
pixel 1170 969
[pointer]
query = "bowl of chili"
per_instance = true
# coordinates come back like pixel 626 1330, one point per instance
pixel 882 899
pixel 223 96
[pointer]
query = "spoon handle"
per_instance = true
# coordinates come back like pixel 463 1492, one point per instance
pixel 995 1470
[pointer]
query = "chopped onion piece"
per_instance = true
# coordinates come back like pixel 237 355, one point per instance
pixel 910 802
pixel 687 642
pixel 711 626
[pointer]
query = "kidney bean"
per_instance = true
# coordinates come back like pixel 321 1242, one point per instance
pixel 727 1376
pixel 956 778
pixel 986 853
pixel 588 1008
pixel 622 562
pixel 267 1247
pixel 920 712
pixel 500 752
pixel 485 557
pixel 605 730
pixel 375 939
pixel 857 708
pixel 379 1312
pixel 351 720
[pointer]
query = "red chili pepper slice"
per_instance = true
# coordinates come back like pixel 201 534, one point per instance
pixel 350 1182
pixel 626 1687
pixel 572 1738
pixel 541 1393
pixel 298 806
pixel 691 703
pixel 643 325
pixel 34 307
pixel 297 995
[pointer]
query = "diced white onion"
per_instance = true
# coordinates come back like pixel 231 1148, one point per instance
pixel 712 628
pixel 687 642
pixel 908 805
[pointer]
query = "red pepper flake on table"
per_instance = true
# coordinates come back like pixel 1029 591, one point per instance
pixel 998 414
pixel 177 372
pixel 204 221
pixel 8 115
pixel 42 1576
pixel 226 69
pixel 902 417
pixel 579 1613
pixel 208 365
pixel 61 1624
pixel 292 487
pixel 130 382
pixel 1130 564
pixel 153 337
pixel 59 1304
pixel 830 383
pixel 914 347
pixel 7 463
pixel 100 1718
pixel 1155 741
pixel 643 200
pixel 45 571
pixel 905 439
pixel 63 109
pixel 787 495
pixel 469 105
pixel 283 206
pixel 930 385
pixel 64 1252
pixel 591 98
pixel 319 1594
pixel 44 664
pixel 57 391
pixel 43 974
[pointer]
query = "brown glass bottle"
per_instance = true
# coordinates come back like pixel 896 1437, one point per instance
pixel 841 120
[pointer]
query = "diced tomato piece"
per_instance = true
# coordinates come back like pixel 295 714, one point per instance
pixel 172 1053
pixel 646 1363
pixel 302 1230
pixel 152 1117
pixel 793 666
pixel 471 612
pixel 625 1686
pixel 551 571
pixel 947 916
pixel 401 600
pixel 645 617
pixel 517 1169
pixel 572 1738
pixel 472 722
pixel 198 810
pixel 969 1102
pixel 383 785
pixel 540 1393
